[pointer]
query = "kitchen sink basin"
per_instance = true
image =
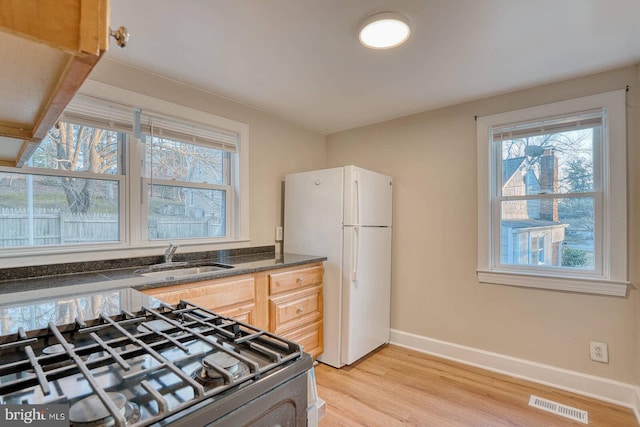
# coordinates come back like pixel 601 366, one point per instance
pixel 181 269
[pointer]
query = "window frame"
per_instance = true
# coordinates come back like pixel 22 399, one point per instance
pixel 133 239
pixel 497 196
pixel 35 171
pixel 610 276
pixel 238 211
pixel 147 182
pixel 227 187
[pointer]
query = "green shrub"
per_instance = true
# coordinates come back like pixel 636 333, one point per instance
pixel 574 257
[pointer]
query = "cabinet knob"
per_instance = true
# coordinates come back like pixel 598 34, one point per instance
pixel 121 35
pixel 300 279
pixel 299 310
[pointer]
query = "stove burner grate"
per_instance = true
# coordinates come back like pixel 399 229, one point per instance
pixel 155 363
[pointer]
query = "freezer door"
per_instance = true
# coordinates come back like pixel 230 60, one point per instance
pixel 367 197
pixel 366 291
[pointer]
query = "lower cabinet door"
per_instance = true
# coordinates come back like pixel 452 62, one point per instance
pixel 309 337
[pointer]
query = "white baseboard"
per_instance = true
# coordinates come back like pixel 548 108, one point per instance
pixel 636 406
pixel 616 392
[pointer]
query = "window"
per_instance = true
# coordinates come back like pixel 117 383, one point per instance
pixel 188 189
pixel 552 196
pixel 128 172
pixel 69 193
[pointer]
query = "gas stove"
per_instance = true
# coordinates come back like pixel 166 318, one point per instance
pixel 121 358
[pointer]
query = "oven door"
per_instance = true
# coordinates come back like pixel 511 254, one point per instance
pixel 285 405
pixel 267 402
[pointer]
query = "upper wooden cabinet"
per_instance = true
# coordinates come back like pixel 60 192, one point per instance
pixel 47 50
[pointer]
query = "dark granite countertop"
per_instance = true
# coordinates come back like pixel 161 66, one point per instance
pixel 29 282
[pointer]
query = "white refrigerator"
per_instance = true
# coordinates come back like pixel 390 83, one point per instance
pixel 345 214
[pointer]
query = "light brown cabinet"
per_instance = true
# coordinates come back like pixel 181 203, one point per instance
pixel 231 297
pixel 47 49
pixel 295 306
pixel 287 301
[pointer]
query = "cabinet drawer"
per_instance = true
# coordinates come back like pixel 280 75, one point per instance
pixel 209 294
pixel 296 279
pixel 243 313
pixel 309 337
pixel 295 309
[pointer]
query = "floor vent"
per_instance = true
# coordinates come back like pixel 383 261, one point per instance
pixel 559 409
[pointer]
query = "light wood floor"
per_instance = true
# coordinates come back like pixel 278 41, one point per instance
pixel 398 387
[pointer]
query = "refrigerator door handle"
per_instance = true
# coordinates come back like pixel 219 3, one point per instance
pixel 356 182
pixel 356 250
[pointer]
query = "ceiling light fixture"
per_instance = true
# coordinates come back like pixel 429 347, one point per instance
pixel 384 30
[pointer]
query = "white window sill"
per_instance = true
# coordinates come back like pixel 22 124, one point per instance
pixel 569 284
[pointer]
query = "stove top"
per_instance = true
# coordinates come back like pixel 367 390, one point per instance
pixel 143 366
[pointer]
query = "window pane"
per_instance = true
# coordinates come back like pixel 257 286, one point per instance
pixel 73 147
pixel 549 163
pixel 556 232
pixel 48 210
pixel 578 248
pixel 183 212
pixel 179 161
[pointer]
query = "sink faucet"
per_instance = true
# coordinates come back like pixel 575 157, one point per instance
pixel 168 254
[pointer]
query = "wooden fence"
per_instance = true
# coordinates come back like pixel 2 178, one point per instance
pixel 52 227
pixel 161 227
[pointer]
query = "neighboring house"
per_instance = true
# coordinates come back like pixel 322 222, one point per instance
pixel 531 232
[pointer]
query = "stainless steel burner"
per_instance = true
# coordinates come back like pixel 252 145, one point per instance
pixel 90 411
pixel 55 349
pixel 210 376
pixel 222 360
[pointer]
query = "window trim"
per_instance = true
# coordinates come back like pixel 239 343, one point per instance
pixel 612 279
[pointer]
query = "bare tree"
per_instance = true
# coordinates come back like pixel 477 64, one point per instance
pixel 79 148
pixel 567 147
pixel 182 162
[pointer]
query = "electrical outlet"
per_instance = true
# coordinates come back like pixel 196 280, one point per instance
pixel 599 352
pixel 279 233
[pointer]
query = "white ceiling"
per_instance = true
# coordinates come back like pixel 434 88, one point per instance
pixel 301 60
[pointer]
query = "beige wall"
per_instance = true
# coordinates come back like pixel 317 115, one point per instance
pixel 277 147
pixel 435 292
pixel 432 157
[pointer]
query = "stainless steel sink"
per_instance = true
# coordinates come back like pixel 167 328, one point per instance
pixel 181 269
